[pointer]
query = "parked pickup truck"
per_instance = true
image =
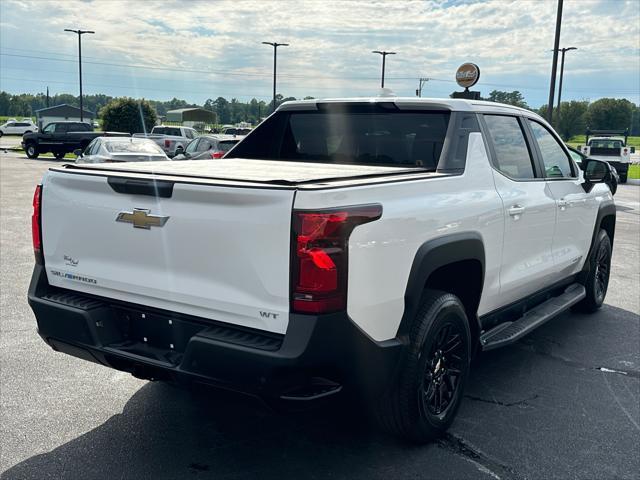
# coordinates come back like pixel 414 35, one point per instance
pixel 173 140
pixel 365 246
pixel 61 138
pixel 610 146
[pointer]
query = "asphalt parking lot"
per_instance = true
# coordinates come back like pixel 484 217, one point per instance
pixel 562 403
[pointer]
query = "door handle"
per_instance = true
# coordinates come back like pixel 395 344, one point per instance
pixel 516 210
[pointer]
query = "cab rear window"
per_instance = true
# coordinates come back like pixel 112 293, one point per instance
pixel 387 138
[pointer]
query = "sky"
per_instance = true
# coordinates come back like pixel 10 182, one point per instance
pixel 199 49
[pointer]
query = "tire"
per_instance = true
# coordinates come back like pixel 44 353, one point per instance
pixel 32 150
pixel 59 155
pixel 421 403
pixel 597 279
pixel 623 178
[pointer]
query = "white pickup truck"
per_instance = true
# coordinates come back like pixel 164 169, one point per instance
pixel 368 246
pixel 173 140
pixel 610 146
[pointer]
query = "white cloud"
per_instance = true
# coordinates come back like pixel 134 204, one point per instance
pixel 331 42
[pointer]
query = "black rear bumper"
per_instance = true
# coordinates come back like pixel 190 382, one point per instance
pixel 157 344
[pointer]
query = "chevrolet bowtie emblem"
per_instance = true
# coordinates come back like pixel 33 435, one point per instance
pixel 142 218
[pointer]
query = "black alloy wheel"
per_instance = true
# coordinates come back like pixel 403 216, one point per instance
pixel 603 267
pixel 423 397
pixel 443 370
pixel 596 281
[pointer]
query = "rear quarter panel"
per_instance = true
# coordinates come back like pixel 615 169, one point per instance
pixel 381 253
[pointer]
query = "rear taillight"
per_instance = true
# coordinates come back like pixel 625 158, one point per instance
pixel 167 143
pixel 36 233
pixel 319 257
pixel 217 154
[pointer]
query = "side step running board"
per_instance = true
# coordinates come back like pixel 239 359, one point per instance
pixel 509 332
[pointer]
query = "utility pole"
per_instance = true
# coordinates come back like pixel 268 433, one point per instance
pixel 421 82
pixel 275 46
pixel 384 56
pixel 554 66
pixel 563 50
pixel 80 33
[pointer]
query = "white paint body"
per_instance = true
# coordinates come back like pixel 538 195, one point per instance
pixel 224 253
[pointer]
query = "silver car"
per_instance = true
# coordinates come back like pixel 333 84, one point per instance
pixel 120 149
pixel 206 147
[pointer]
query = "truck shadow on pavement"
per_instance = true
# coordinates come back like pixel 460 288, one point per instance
pixel 167 432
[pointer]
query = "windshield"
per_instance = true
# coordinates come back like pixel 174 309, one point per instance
pixel 128 146
pixel 393 138
pixel 166 131
pixel 605 144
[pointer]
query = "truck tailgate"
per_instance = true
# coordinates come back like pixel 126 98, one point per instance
pixel 222 252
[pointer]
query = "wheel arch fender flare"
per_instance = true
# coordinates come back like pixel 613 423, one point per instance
pixel 433 255
pixel 605 219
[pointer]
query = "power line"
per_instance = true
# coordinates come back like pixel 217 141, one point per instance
pixel 182 70
pixel 313 77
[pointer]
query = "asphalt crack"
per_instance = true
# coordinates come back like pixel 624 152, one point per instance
pixel 524 402
pixel 485 464
pixel 534 348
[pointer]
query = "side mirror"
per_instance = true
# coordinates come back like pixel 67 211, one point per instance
pixel 78 152
pixel 595 171
pixel 632 149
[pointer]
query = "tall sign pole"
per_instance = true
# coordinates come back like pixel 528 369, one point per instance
pixel 554 65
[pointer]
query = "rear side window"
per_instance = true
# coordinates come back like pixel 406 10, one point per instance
pixel 204 145
pixel 378 137
pixel 226 145
pixel 512 155
pixel 556 162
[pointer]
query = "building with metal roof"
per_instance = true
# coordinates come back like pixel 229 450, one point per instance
pixel 62 113
pixel 193 115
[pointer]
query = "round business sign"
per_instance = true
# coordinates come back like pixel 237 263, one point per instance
pixel 468 75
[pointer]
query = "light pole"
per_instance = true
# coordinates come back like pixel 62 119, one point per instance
pixel 275 46
pixel 80 33
pixel 563 50
pixel 554 65
pixel 384 56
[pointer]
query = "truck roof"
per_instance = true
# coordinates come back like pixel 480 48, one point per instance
pixel 407 103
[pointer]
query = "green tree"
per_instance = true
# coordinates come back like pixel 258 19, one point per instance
pixel 609 114
pixel 222 109
pixel 571 119
pixel 511 98
pixel 128 115
pixel 635 120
